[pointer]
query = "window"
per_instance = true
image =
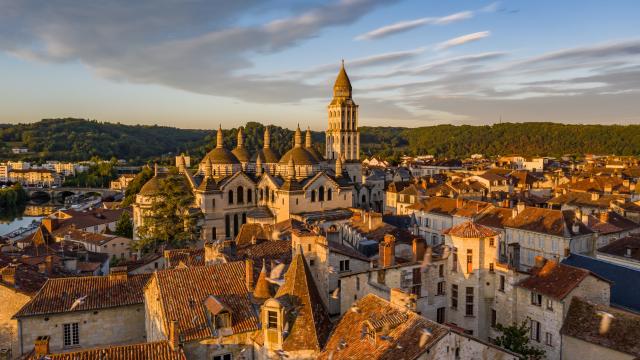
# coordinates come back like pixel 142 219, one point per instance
pixel 535 330
pixel 469 261
pixel 440 315
pixel 494 317
pixel 313 196
pixel 492 242
pixel 329 194
pixel 214 233
pixel 469 301
pixel 240 193
pixel 344 265
pixel 491 267
pixel 223 357
pixel 321 193
pixel 536 299
pixel 227 226
pixel 501 287
pixel 222 320
pixel 381 279
pixel 441 270
pixel 358 283
pixel 235 224
pixel 454 261
pixel 71 334
pixel 548 339
pixel 441 286
pixel 454 296
pixel 272 320
pixel 249 196
pixel 213 203
pixel 549 304
pixel 230 197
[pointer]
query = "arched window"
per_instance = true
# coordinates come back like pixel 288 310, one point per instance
pixel 227 226
pixel 244 218
pixel 230 196
pixel 364 199
pixel 213 203
pixel 273 196
pixel 249 196
pixel 240 195
pixel 329 194
pixel 313 196
pixel 261 194
pixel 214 233
pixel 321 193
pixel 235 225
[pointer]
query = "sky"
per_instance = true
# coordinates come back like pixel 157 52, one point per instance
pixel 200 63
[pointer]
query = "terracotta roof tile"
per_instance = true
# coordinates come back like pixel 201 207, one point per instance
pixel 583 322
pixel 160 350
pixel 470 230
pixel 183 292
pixel 404 331
pixel 554 280
pixel 57 295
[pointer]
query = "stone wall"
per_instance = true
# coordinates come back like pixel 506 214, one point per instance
pixel 11 301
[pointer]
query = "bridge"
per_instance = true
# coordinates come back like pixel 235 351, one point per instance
pixel 60 193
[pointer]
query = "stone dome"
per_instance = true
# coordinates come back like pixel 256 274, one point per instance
pixel 267 156
pixel 151 187
pixel 300 156
pixel 220 155
pixel 241 154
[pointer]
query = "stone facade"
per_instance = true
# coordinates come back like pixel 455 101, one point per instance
pixel 11 301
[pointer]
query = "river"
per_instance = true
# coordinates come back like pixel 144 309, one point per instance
pixel 30 213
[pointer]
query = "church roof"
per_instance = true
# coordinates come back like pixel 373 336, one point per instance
pixel 267 156
pixel 300 156
pixel 315 153
pixel 151 187
pixel 342 81
pixel 241 153
pixel 221 156
pixel 208 184
pixel 312 325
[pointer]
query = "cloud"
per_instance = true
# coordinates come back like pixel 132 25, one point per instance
pixel 403 26
pixel 196 46
pixel 460 40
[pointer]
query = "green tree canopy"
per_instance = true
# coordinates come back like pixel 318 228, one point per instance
pixel 515 337
pixel 124 225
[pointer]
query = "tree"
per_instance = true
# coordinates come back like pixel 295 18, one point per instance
pixel 124 226
pixel 516 338
pixel 135 185
pixel 171 219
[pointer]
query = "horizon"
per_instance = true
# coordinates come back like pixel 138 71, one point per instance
pixel 412 63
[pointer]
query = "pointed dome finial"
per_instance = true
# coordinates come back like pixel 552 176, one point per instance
pixel 342 86
pixel 219 138
pixel 155 169
pixel 208 168
pixel 259 165
pixel 291 169
pixel 298 137
pixel 339 166
pixel 267 138
pixel 308 138
pixel 240 137
pixel 262 290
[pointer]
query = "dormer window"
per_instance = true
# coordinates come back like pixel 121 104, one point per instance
pixel 272 320
pixel 218 314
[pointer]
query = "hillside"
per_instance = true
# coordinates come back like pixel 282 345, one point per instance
pixel 77 139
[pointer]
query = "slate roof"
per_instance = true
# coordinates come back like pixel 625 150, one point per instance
pixel 183 292
pixel 102 292
pixel 620 247
pixel 160 350
pixel 405 330
pixel 554 280
pixel 583 322
pixel 311 323
pixel 625 291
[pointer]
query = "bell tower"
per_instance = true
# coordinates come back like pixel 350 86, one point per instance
pixel 343 137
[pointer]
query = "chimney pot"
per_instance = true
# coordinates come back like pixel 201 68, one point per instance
pixel 387 249
pixel 174 337
pixel 418 246
pixel 9 275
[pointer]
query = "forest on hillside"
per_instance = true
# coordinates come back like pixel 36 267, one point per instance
pixel 79 139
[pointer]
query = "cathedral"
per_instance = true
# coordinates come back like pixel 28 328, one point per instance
pixel 234 187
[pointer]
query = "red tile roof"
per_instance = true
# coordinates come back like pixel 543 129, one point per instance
pixel 57 295
pixel 404 332
pixel 183 292
pixel 470 230
pixel 583 322
pixel 555 280
pixel 547 221
pixel 160 350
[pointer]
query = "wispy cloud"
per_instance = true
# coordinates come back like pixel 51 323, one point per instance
pixel 460 40
pixel 403 26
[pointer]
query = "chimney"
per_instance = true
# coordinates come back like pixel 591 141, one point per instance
pixel 608 188
pixel 50 223
pixel 375 220
pixel 387 251
pixel 632 187
pixel 403 299
pixel 41 346
pixel 248 271
pixel 628 251
pixel 9 275
pixel 540 261
pixel 118 273
pixel 418 247
pixel 520 207
pixel 574 179
pixel 48 264
pixel 174 337
pixel 626 183
pixel 595 196
pixel 604 216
